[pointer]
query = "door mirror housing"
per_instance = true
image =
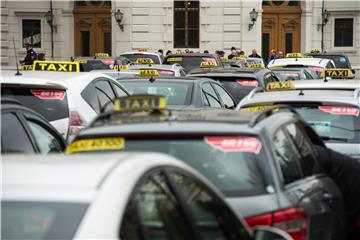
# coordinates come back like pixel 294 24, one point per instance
pixel 270 233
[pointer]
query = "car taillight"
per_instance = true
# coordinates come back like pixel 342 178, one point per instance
pixel 76 122
pixel 48 94
pixel 292 220
pixel 317 69
pixel 248 83
pixel 108 62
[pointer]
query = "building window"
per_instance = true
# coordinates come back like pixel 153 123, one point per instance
pixel 186 24
pixel 344 32
pixel 31 32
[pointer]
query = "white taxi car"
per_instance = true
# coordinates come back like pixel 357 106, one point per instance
pixel 135 55
pixel 121 196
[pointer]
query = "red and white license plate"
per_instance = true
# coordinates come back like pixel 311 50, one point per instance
pixel 235 144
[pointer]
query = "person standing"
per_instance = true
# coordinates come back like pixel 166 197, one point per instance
pixel 254 54
pixel 233 53
pixel 280 54
pixel 31 55
pixel 272 54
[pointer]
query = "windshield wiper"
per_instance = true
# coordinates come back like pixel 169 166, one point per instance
pixel 328 138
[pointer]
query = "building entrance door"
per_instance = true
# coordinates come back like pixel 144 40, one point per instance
pixel 92 27
pixel 281 27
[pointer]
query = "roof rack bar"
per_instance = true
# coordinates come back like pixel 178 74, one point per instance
pixel 268 112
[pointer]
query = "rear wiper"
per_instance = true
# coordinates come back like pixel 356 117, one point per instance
pixel 327 138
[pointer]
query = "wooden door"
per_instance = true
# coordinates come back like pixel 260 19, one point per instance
pixel 92 27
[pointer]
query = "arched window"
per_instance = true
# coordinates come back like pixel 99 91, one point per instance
pixel 186 24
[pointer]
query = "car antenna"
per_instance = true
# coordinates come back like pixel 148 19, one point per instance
pixel 301 93
pixel 16 61
pixel 152 79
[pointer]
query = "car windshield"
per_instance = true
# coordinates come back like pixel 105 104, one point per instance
pixel 189 62
pixel 176 93
pixel 40 220
pixel 133 56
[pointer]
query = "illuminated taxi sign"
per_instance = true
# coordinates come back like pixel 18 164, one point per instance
pixel 56 66
pixel 143 49
pixel 26 67
pixel 256 108
pixel 174 59
pixel 338 73
pixel 208 64
pixel 120 67
pixel 294 55
pixel 178 51
pixel 239 57
pixel 224 59
pixel 102 55
pixel 137 103
pixel 257 65
pixel 144 61
pixel 82 61
pixel 315 50
pixel 278 86
pixel 148 73
pixel 96 144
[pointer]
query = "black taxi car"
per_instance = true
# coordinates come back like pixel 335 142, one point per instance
pixel 265 162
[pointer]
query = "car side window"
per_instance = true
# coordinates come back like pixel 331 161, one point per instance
pixel 225 97
pixel 90 96
pixel 209 96
pixel 212 217
pixel 119 91
pixel 304 145
pixel 154 213
pixel 287 157
pixel 14 138
pixel 46 141
pixel 104 92
pixel 269 78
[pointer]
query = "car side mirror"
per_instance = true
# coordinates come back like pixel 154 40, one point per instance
pixel 270 233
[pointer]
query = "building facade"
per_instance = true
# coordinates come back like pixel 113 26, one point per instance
pixel 62 29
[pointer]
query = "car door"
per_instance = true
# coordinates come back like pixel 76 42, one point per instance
pixel 209 96
pixel 225 97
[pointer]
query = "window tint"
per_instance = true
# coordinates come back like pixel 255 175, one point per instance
pixel 213 218
pixel 304 145
pixel 154 213
pixel 14 138
pixel 209 96
pixel 89 95
pixel 287 156
pixel 45 140
pixel 104 92
pixel 225 97
pixel 119 91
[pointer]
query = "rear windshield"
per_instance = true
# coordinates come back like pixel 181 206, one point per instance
pixel 132 57
pixel 40 220
pixel 190 62
pixel 51 104
pixel 340 61
pixel 317 70
pixel 289 75
pixel 94 65
pixel 175 93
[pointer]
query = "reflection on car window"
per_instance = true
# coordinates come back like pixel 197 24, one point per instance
pixel 209 96
pixel 104 92
pixel 225 97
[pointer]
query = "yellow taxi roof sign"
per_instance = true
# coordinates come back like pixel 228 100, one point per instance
pixel 257 65
pixel 102 55
pixel 26 67
pixel 144 61
pixel 96 144
pixel 143 49
pixel 315 50
pixel 56 66
pixel 239 57
pixel 148 73
pixel 279 86
pixel 224 59
pixel 294 55
pixel 339 73
pixel 208 64
pixel 174 59
pixel 82 61
pixel 120 67
pixel 138 103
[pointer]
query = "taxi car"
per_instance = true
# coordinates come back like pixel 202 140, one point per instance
pixel 333 112
pixel 123 196
pixel 317 64
pixel 263 162
pixel 252 60
pixel 340 60
pixel 135 55
pixel 192 60
pixel 238 82
pixel 26 131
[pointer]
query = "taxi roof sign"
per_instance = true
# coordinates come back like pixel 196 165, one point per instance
pixel 339 73
pixel 148 73
pixel 208 64
pixel 143 49
pixel 280 86
pixel 120 67
pixel 257 65
pixel 294 55
pixel 139 103
pixel 56 66
pixel 144 61
pixel 26 67
pixel 102 55
pixel 224 59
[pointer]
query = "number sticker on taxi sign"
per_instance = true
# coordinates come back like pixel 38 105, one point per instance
pixel 256 65
pixel 144 61
pixel 26 67
pixel 102 55
pixel 256 108
pixel 120 67
pixel 136 103
pixel 338 73
pixel 340 110
pixel 148 73
pixel 208 64
pixel 96 144
pixel 174 59
pixel 56 66
pixel 286 85
pixel 294 55
pixel 235 144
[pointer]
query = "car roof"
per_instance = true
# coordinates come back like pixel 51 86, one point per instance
pixel 299 61
pixel 141 53
pixel 327 84
pixel 165 78
pixel 326 54
pixel 190 55
pixel 230 70
pixel 157 66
